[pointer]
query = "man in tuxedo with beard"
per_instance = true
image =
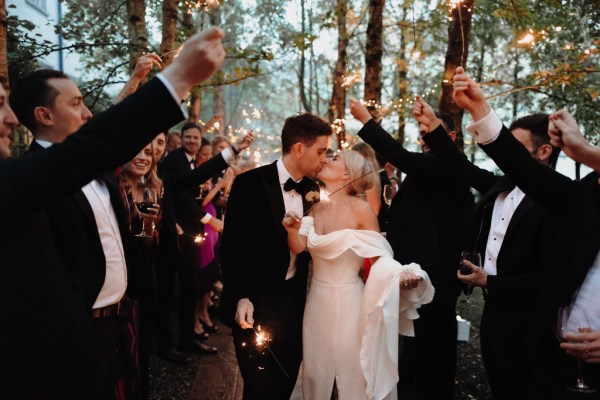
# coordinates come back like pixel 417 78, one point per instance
pixel 513 236
pixel 263 283
pixel 58 305
pixel 572 278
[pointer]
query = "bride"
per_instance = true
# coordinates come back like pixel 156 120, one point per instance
pixel 350 330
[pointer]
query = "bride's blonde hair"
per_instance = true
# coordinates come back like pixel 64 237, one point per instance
pixel 361 173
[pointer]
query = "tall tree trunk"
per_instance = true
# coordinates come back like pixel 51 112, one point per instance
pixel 169 26
pixel 305 101
pixel 136 28
pixel 402 74
pixel 374 53
pixel 482 52
pixel 337 104
pixel 195 105
pixel 454 56
pixel 218 96
pixel 3 44
pixel 515 95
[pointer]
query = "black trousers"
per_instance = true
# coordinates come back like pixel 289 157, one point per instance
pixel 503 350
pixel 188 288
pixel 271 375
pixel 106 357
pixel 427 361
pixel 166 272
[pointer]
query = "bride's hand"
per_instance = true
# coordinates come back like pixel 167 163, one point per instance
pixel 291 221
pixel 409 280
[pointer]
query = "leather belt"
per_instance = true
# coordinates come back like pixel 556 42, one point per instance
pixel 108 311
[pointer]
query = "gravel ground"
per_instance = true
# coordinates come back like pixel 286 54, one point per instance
pixel 174 382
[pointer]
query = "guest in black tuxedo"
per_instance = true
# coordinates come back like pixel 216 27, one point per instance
pixel 431 204
pixel 573 269
pixel 263 283
pixel 182 182
pixel 514 237
pixel 47 323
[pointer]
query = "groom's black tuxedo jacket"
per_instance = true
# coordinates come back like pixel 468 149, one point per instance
pixel 576 204
pixel 427 215
pixel 44 301
pixel 254 251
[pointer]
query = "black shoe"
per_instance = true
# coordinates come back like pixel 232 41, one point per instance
pixel 201 336
pixel 175 357
pixel 209 329
pixel 195 347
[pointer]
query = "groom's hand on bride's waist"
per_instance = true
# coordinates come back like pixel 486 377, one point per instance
pixel 244 315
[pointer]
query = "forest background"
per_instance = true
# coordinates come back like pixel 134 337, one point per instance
pixel 288 56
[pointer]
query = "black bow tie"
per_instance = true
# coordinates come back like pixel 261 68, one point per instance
pixel 193 161
pixel 300 187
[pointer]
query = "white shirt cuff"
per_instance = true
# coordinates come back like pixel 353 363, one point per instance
pixel 487 129
pixel 229 156
pixel 169 87
pixel 206 218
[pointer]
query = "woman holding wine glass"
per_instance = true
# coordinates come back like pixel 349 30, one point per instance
pixel 143 189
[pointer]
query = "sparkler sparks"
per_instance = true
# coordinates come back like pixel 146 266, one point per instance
pixel 262 339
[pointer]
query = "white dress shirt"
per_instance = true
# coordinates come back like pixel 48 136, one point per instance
pixel 293 203
pixel 115 280
pixel 504 208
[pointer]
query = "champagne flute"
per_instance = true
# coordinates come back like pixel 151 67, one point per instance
pixel 568 321
pixel 145 199
pixel 388 194
pixel 474 258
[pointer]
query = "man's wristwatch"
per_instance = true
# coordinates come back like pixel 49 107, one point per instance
pixel 235 151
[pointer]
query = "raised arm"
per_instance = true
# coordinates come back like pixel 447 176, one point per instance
pixel 545 186
pixel 142 68
pixel 564 133
pixel 439 142
pixel 63 168
pixel 420 165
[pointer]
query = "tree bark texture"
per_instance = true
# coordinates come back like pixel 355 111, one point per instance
pixel 303 98
pixel 3 44
pixel 218 96
pixel 337 104
pixel 195 106
pixel 374 53
pixel 402 68
pixel 169 27
pixel 454 56
pixel 136 28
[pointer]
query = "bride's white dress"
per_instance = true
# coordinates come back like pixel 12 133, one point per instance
pixel 350 331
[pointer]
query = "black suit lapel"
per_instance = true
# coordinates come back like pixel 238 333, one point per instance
pixel 524 207
pixel 272 189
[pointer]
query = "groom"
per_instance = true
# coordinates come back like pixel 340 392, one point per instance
pixel 264 284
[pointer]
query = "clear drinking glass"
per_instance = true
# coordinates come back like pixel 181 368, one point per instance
pixel 475 259
pixel 388 194
pixel 144 199
pixel 566 322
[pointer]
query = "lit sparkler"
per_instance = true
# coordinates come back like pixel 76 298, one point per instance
pixel 262 339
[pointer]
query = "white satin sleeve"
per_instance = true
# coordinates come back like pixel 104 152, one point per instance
pixel 305 226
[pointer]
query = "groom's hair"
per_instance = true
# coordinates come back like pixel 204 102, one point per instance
pixel 302 128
